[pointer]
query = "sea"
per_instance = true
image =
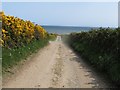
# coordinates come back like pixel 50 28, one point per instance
pixel 65 29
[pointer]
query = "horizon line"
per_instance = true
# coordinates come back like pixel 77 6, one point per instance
pixel 79 26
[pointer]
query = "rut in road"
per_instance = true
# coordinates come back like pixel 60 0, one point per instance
pixel 55 66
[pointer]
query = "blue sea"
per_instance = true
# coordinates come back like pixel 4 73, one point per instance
pixel 65 29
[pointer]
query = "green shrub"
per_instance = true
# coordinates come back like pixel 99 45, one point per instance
pixel 101 47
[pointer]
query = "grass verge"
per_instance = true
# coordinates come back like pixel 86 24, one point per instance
pixel 11 57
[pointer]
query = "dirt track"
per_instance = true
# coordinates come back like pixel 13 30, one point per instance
pixel 55 66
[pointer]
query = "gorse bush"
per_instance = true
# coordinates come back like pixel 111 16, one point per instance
pixel 17 32
pixel 101 47
pixel 19 39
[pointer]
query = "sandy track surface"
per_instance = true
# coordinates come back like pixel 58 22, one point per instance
pixel 55 66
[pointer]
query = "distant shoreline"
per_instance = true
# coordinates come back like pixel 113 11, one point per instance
pixel 68 29
pixel 65 29
pixel 74 26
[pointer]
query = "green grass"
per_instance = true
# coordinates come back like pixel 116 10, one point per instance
pixel 11 57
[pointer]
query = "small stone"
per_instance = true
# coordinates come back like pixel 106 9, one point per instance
pixel 39 85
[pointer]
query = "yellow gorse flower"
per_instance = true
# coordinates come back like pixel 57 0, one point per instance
pixel 3 31
pixel 19 31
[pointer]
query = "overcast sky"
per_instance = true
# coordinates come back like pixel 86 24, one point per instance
pixel 103 14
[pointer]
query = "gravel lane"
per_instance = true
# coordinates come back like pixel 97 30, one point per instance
pixel 55 66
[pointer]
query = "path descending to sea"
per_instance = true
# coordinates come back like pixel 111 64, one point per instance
pixel 55 66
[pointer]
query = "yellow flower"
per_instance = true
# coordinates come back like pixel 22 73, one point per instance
pixel 3 31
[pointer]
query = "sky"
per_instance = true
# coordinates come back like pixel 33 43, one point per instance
pixel 0 6
pixel 60 0
pixel 93 14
